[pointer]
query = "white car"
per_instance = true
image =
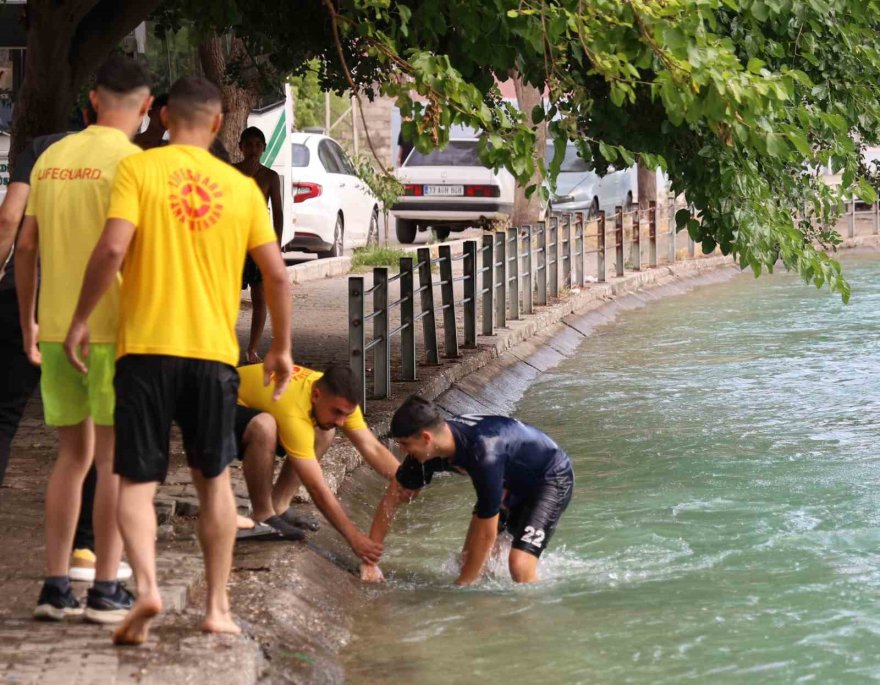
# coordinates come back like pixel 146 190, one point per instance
pixel 334 208
pixel 450 190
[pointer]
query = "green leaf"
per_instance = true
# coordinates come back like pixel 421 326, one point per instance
pixel 866 190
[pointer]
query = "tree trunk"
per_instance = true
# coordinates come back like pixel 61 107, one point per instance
pixel 67 41
pixel 528 210
pixel 239 97
pixel 647 179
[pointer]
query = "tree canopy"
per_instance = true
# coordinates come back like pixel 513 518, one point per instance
pixel 741 101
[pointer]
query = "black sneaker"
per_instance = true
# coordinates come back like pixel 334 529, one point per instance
pixel 101 608
pixel 55 605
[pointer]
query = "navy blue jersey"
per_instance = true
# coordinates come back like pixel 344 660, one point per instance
pixel 498 453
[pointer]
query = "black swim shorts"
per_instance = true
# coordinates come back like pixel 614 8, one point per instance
pixel 152 391
pixel 243 416
pixel 533 521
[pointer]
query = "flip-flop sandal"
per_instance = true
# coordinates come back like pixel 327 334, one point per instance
pixel 260 531
pixel 284 529
pixel 290 516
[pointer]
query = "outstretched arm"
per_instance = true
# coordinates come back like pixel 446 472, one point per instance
pixel 278 361
pixel 477 547
pixel 104 264
pixel 373 451
pixel 309 471
pixel 395 495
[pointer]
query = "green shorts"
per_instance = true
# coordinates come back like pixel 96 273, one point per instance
pixel 70 397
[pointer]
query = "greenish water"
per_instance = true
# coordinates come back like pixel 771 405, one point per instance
pixel 724 526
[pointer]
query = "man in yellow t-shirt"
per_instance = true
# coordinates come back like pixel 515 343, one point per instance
pixel 182 222
pixel 304 419
pixel 67 207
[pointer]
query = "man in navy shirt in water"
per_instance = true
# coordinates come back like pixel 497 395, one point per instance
pixel 522 478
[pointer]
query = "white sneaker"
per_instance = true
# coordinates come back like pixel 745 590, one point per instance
pixel 82 567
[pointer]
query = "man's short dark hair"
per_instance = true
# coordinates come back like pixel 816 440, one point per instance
pixel 252 132
pixel 191 96
pixel 340 381
pixel 414 416
pixel 121 75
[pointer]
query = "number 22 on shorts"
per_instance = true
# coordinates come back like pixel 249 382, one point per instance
pixel 533 537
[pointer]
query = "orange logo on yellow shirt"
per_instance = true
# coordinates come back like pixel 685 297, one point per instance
pixel 195 199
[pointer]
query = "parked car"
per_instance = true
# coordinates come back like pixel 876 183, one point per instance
pixel 580 189
pixel 450 190
pixel 334 208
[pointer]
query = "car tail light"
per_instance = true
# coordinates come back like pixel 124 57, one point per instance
pixel 482 191
pixel 413 189
pixel 305 191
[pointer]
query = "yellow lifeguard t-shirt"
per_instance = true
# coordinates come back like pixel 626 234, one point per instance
pixel 292 411
pixel 195 219
pixel 70 192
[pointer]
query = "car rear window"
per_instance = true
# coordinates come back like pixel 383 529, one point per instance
pixel 300 155
pixel 457 153
pixel 571 162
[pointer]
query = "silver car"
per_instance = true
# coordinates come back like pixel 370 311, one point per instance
pixel 580 189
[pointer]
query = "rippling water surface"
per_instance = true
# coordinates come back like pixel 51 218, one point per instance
pixel 724 526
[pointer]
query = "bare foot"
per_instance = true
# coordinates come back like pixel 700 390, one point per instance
pixel 220 623
pixel 136 625
pixel 252 357
pixel 243 522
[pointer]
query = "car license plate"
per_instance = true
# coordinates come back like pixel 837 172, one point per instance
pixel 444 190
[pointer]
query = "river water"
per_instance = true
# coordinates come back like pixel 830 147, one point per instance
pixel 724 526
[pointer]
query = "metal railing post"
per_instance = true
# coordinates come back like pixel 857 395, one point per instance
pixel 541 267
pixel 382 346
pixel 852 218
pixel 528 280
pixel 600 250
pixel 469 266
pixel 501 279
pixel 652 233
pixel 487 283
pixel 407 321
pixel 618 240
pixel 426 290
pixel 580 250
pixel 636 241
pixel 356 336
pixel 447 297
pixel 566 252
pixel 553 258
pixel 513 271
pixel 670 224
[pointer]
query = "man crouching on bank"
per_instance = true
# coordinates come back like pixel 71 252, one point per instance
pixel 523 480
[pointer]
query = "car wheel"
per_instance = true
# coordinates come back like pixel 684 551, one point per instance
pixel 338 233
pixel 406 231
pixel 373 230
pixel 441 234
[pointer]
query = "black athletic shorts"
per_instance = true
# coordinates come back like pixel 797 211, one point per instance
pixel 152 391
pixel 243 416
pixel 251 275
pixel 533 521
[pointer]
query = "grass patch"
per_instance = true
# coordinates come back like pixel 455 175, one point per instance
pixel 378 255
